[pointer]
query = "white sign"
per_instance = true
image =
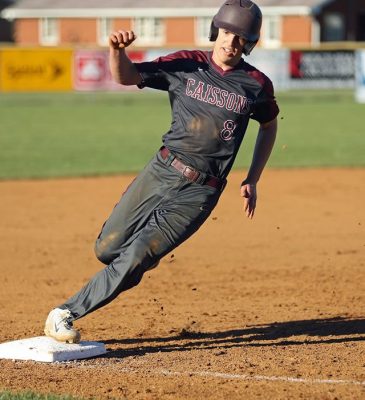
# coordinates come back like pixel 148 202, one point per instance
pixel 360 76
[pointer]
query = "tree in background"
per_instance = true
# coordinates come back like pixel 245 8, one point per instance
pixel 6 27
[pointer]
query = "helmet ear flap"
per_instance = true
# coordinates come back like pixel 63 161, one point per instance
pixel 248 47
pixel 213 33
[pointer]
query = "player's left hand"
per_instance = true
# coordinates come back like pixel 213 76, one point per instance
pixel 249 194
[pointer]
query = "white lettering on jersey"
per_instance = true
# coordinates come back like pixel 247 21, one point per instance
pixel 189 83
pixel 219 97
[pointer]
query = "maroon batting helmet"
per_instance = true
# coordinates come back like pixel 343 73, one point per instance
pixel 241 17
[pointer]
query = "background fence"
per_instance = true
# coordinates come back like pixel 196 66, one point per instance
pixel 66 69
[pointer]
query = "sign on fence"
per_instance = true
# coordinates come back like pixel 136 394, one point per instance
pixel 45 69
pixel 91 70
pixel 360 76
pixel 35 69
pixel 330 68
pixel 274 64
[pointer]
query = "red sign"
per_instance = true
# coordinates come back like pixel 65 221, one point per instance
pixel 92 71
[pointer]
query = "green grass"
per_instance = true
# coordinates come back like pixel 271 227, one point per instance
pixel 46 135
pixel 319 129
pixel 80 134
pixel 32 396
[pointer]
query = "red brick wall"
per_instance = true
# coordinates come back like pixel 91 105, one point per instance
pixel 179 31
pixel 297 30
pixel 78 30
pixel 27 31
pixel 123 24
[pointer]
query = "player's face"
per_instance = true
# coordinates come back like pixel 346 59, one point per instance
pixel 228 49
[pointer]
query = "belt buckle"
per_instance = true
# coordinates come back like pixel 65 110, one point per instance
pixel 191 173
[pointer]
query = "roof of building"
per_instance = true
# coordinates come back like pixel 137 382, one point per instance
pixel 62 4
pixel 122 8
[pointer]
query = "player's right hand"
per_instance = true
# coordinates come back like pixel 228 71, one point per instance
pixel 249 194
pixel 121 39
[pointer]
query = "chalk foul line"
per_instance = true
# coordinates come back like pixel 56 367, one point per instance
pixel 211 374
pixel 221 375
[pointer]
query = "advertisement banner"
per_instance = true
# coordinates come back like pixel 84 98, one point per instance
pixel 91 70
pixel 360 76
pixel 329 68
pixel 274 64
pixel 24 70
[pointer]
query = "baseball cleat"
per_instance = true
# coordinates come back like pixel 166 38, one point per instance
pixel 59 326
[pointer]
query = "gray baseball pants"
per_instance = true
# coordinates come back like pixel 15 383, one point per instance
pixel 158 211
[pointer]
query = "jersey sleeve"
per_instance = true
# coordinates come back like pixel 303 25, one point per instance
pixel 168 70
pixel 265 108
pixel 159 73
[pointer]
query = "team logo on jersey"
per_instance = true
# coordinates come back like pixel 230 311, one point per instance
pixel 231 101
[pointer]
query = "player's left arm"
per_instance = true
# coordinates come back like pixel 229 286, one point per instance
pixel 264 143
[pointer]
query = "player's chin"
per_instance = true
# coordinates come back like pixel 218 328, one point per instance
pixel 230 59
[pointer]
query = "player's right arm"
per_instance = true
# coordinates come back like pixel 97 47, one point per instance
pixel 122 69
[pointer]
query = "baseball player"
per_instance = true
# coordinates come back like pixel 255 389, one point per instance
pixel 213 95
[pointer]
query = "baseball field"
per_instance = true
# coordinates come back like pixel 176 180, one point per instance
pixel 269 308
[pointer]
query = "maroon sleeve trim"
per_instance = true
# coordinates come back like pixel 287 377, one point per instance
pixel 197 55
pixel 261 78
pixel 267 108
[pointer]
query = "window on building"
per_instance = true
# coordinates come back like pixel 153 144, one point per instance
pixel 271 32
pixel 105 27
pixel 49 31
pixel 202 29
pixel 149 31
pixel 333 27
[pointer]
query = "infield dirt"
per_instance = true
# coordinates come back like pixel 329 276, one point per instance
pixel 272 308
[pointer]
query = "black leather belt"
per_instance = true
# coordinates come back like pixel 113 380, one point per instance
pixel 191 173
